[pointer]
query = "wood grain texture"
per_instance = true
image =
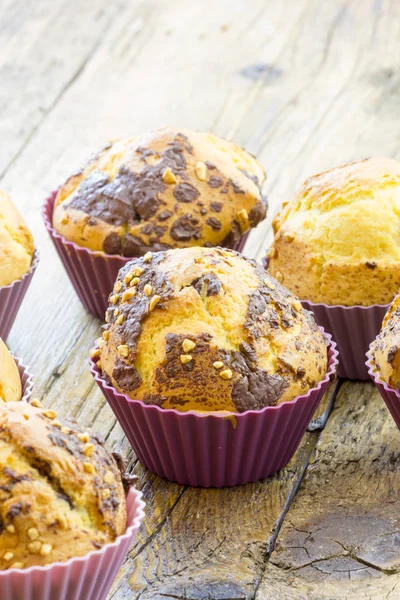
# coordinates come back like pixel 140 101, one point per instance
pixel 305 85
pixel 341 537
pixel 214 542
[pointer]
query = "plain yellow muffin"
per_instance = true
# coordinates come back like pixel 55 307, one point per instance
pixel 61 493
pixel 159 190
pixel 385 350
pixel 209 330
pixel 16 243
pixel 338 240
pixel 10 380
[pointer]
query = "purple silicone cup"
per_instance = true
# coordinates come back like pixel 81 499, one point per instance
pixel 211 450
pixel 83 578
pixel 353 328
pixel 11 297
pixel 92 274
pixel 389 395
pixel 26 379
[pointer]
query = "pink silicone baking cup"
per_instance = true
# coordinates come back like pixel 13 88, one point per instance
pixel 353 328
pixel 210 450
pixel 83 578
pixel 11 297
pixel 92 274
pixel 389 395
pixel 26 380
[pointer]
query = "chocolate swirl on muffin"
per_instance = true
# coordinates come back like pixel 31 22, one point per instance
pixel 160 190
pixel 385 350
pixel 206 329
pixel 61 493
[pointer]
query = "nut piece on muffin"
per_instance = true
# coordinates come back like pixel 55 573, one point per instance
pixel 159 190
pixel 61 493
pixel 10 380
pixel 337 241
pixel 208 330
pixel 16 243
pixel 385 349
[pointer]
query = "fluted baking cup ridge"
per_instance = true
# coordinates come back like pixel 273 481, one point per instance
pixel 11 297
pixel 26 379
pixel 82 578
pixel 353 328
pixel 211 450
pixel 390 396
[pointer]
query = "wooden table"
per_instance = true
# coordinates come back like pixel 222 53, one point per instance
pixel 303 84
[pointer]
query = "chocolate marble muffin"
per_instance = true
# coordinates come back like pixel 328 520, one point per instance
pixel 208 330
pixel 61 493
pixel 159 190
pixel 385 350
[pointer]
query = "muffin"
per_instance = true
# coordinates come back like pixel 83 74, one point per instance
pixel 207 329
pixel 10 380
pixel 336 246
pixel 212 368
pixel 61 493
pixel 16 243
pixel 337 241
pixel 385 349
pixel 159 190
pixel 18 261
pixel 383 360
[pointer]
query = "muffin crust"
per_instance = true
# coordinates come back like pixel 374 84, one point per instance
pixel 385 349
pixel 208 330
pixel 16 243
pixel 61 493
pixel 10 381
pixel 161 190
pixel 337 242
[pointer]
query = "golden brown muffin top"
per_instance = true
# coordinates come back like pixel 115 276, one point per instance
pixel 206 329
pixel 61 493
pixel 16 242
pixel 337 241
pixel 10 380
pixel 162 189
pixel 385 350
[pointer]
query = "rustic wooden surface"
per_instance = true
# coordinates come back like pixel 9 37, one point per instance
pixel 305 85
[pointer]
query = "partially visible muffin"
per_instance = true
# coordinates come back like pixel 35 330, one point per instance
pixel 61 493
pixel 385 350
pixel 10 380
pixel 162 189
pixel 16 243
pixel 337 241
pixel 208 330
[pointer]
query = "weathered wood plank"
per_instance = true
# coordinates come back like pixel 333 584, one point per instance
pixel 44 49
pixel 214 542
pixel 341 536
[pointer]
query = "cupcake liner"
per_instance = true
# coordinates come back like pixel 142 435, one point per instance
pixel 211 450
pixel 83 578
pixel 389 395
pixel 353 328
pixel 92 274
pixel 11 297
pixel 26 379
pixel 239 247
